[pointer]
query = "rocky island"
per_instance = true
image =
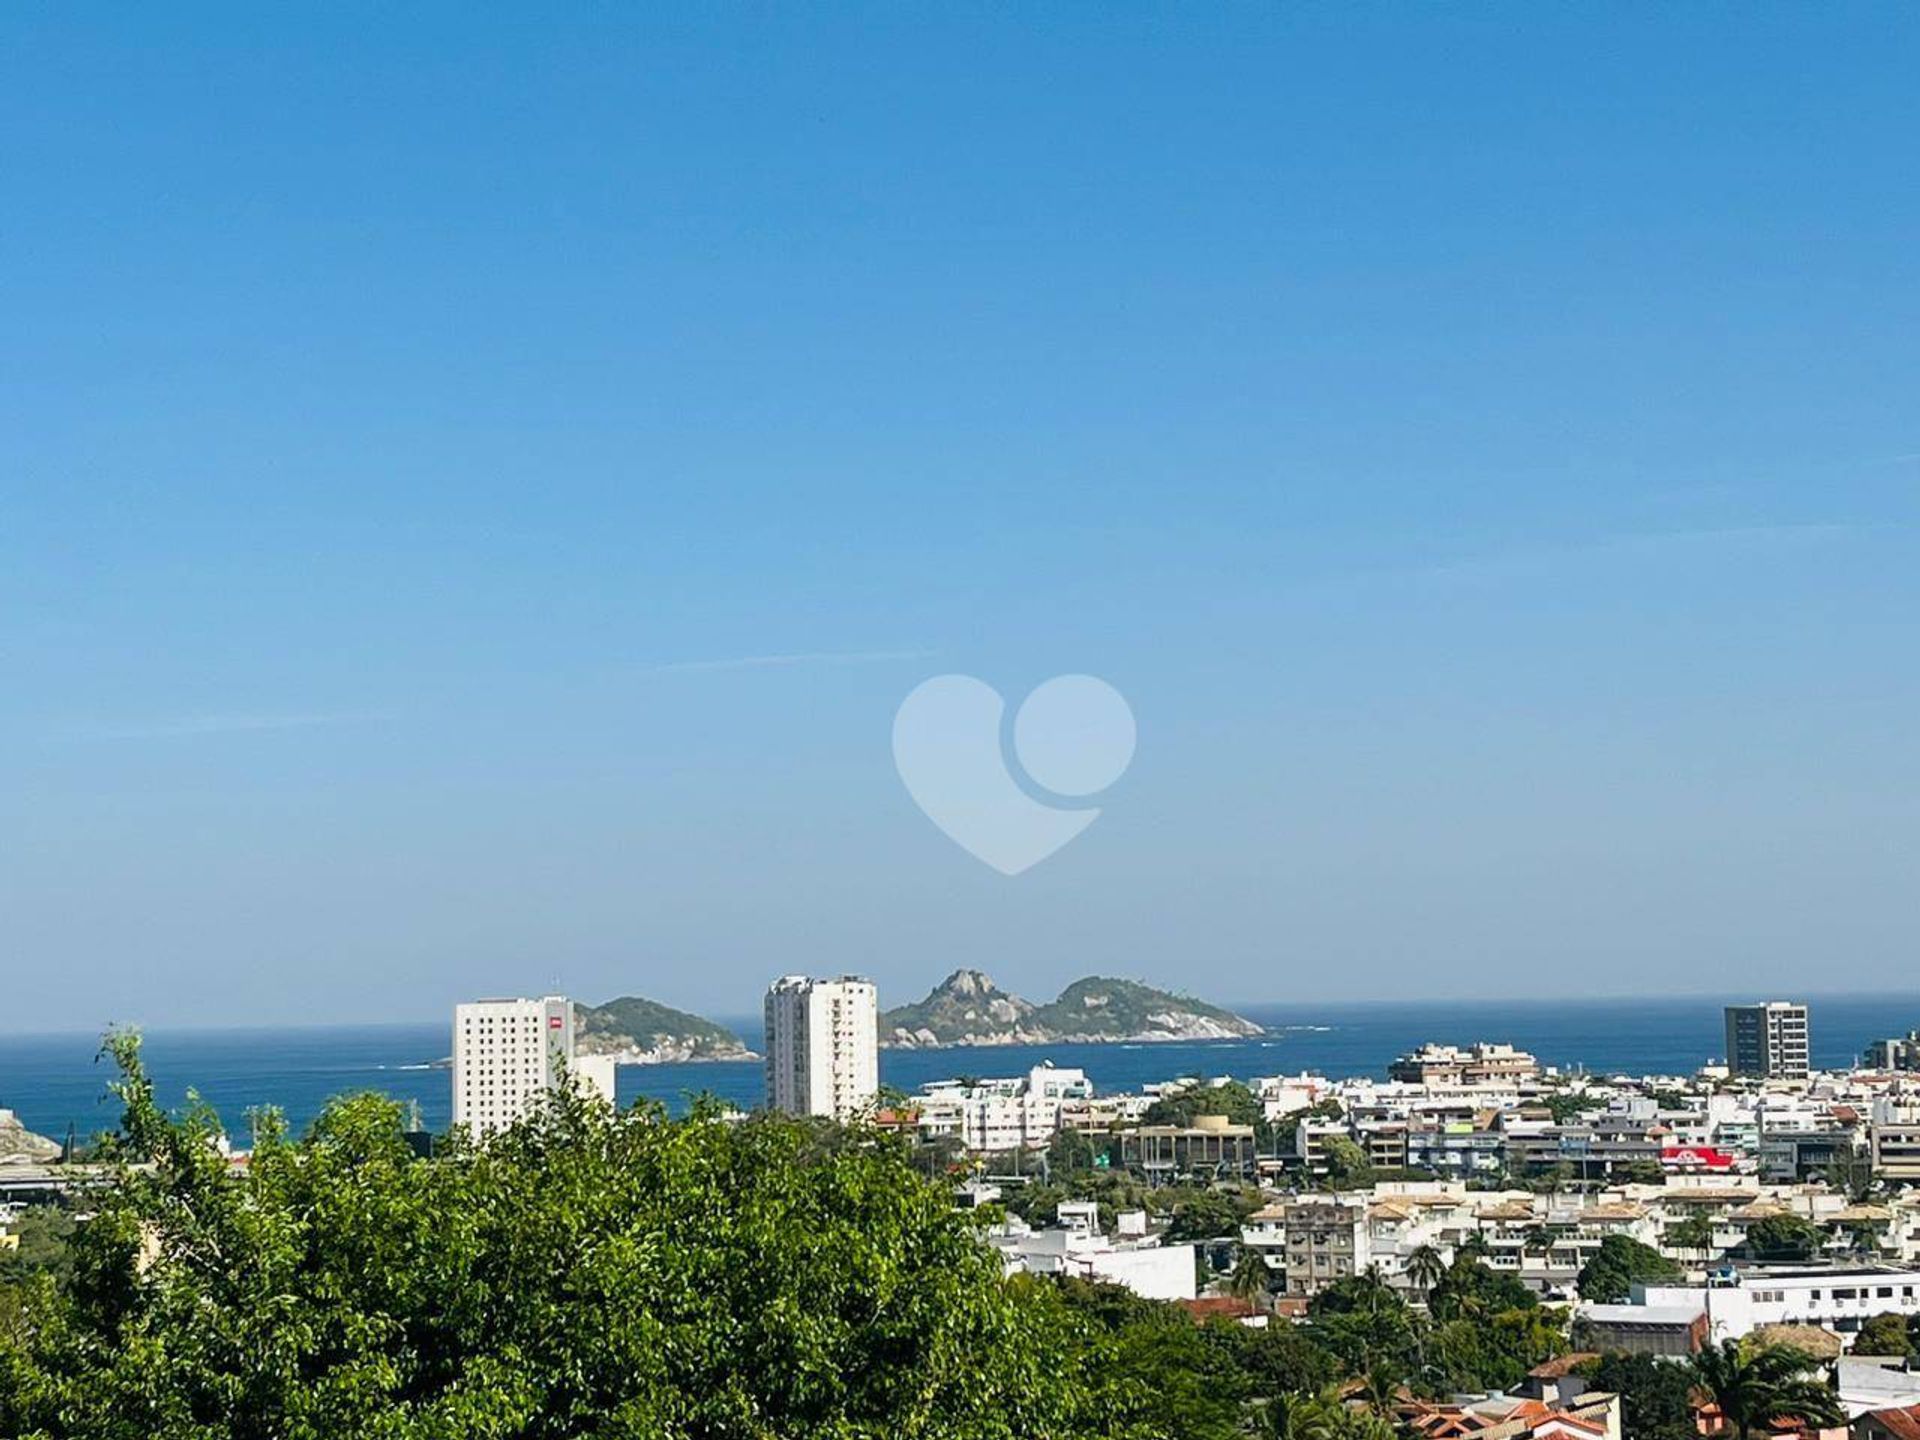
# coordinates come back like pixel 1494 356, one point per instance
pixel 967 1008
pixel 638 1031
pixel 20 1146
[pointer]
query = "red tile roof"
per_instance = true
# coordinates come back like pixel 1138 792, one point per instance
pixel 1901 1424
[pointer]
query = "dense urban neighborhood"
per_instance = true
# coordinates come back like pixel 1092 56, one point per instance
pixel 1476 1244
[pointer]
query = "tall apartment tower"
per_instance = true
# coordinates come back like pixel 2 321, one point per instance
pixel 1768 1041
pixel 823 1046
pixel 506 1055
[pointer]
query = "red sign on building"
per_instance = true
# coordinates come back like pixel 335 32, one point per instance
pixel 1696 1157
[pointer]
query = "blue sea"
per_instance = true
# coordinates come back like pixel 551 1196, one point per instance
pixel 54 1082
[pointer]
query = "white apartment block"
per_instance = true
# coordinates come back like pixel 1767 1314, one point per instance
pixel 823 1046
pixel 506 1055
pixel 994 1117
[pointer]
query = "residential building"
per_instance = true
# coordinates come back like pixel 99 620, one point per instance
pixel 823 1046
pixel 1867 1384
pixel 1587 1416
pixel 1327 1240
pixel 1768 1041
pixel 1074 1245
pixel 1899 1054
pixel 1478 1064
pixel 995 1117
pixel 1836 1298
pixel 1895 1423
pixel 507 1054
pixel 597 1076
pixel 1896 1148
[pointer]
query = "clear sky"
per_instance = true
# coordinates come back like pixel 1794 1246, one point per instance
pixel 476 482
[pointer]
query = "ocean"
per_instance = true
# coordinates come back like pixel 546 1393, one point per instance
pixel 53 1081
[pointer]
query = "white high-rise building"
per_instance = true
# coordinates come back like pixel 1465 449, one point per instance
pixel 506 1055
pixel 823 1046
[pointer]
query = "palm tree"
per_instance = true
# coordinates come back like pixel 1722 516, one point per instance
pixel 1250 1277
pixel 1323 1417
pixel 1758 1386
pixel 1475 1246
pixel 1378 1389
pixel 1426 1267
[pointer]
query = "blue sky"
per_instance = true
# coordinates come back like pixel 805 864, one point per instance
pixel 474 487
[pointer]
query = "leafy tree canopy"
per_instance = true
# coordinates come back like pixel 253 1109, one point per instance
pixel 1620 1263
pixel 583 1274
pixel 1884 1335
pixel 1656 1394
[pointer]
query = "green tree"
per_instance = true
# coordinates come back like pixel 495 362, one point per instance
pixel 1568 1105
pixel 1784 1237
pixel 1365 1326
pixel 1472 1289
pixel 1426 1267
pixel 1070 1152
pixel 1473 1246
pixel 1620 1263
pixel 1180 1378
pixel 1495 1354
pixel 1284 1133
pixel 1347 1166
pixel 1656 1395
pixel 1864 1237
pixel 1283 1358
pixel 44 1237
pixel 1851 1173
pixel 1229 1098
pixel 1884 1335
pixel 1208 1213
pixel 585 1273
pixel 1251 1277
pixel 1756 1386
pixel 1324 1415
pixel 1694 1233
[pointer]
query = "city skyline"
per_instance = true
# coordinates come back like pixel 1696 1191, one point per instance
pixel 477 492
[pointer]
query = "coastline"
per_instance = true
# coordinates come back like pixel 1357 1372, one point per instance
pixel 51 1080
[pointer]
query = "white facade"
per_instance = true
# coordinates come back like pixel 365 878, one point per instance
pixel 506 1054
pixel 994 1117
pixel 1839 1300
pixel 596 1076
pixel 1075 1246
pixel 823 1046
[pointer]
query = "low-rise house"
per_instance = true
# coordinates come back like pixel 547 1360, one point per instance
pixel 1075 1246
pixel 1832 1298
pixel 1898 1423
pixel 1867 1383
pixel 1592 1416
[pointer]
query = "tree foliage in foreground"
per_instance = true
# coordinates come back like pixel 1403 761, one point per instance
pixel 1759 1387
pixel 584 1275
